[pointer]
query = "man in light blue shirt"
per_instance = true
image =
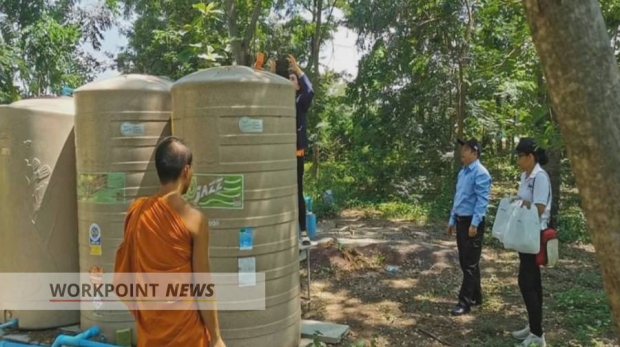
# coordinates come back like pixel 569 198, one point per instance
pixel 473 190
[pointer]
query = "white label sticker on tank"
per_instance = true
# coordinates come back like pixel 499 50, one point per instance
pixel 247 272
pixel 214 223
pixel 6 151
pixel 251 125
pixel 130 129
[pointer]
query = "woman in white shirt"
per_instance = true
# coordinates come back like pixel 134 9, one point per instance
pixel 535 191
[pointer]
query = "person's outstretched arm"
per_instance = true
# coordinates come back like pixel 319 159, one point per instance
pixel 306 88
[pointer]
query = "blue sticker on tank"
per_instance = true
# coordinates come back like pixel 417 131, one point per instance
pixel 246 239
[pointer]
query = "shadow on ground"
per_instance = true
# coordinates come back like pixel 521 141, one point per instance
pixel 411 306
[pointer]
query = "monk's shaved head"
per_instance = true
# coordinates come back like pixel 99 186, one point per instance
pixel 171 157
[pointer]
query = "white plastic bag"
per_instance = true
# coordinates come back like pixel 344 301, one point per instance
pixel 502 218
pixel 523 232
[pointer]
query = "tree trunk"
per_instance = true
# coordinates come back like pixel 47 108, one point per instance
pixel 462 90
pixel 460 114
pixel 554 169
pixel 315 60
pixel 233 31
pixel 584 85
pixel 316 170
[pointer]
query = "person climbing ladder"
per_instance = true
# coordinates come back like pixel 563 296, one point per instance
pixel 303 99
pixel 304 94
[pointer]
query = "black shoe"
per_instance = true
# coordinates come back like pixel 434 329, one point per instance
pixel 460 310
pixel 477 302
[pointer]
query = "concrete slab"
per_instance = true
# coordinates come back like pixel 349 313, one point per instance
pixel 22 338
pixel 73 329
pixel 123 337
pixel 311 245
pixel 310 343
pixel 327 332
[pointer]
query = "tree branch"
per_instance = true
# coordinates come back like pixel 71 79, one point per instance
pixel 307 8
pixel 616 39
pixel 249 33
pixel 331 13
pixel 317 37
pixel 428 21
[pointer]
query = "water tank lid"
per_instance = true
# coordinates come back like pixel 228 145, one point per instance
pixel 62 104
pixel 129 82
pixel 227 74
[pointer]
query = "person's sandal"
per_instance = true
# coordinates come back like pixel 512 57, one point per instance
pixel 305 240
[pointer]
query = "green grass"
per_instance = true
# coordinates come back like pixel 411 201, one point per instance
pixel 587 313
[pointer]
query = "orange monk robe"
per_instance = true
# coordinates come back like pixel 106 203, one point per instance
pixel 157 241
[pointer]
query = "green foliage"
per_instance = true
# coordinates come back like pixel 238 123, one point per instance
pixel 174 38
pixel 571 221
pixel 41 46
pixel 388 140
pixel 335 177
pixel 48 56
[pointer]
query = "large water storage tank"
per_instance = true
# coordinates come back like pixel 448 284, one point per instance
pixel 240 125
pixel 119 122
pixel 38 213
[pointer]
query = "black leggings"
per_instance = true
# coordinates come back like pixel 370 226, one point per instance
pixel 300 193
pixel 530 283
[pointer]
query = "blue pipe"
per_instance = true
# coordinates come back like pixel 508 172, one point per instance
pixel 87 334
pixel 12 344
pixel 80 339
pixel 10 324
pixel 82 343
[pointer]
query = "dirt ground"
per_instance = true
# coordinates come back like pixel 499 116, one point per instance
pixel 412 306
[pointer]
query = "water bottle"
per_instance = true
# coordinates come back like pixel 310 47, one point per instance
pixel 311 225
pixel 328 197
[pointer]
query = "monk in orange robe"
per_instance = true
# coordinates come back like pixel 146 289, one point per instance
pixel 166 235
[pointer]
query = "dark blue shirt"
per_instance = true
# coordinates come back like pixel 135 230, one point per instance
pixel 303 99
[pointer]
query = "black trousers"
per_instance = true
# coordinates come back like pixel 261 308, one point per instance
pixel 530 283
pixel 300 193
pixel 470 250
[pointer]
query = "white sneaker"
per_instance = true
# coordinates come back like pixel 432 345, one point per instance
pixel 534 341
pixel 522 334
